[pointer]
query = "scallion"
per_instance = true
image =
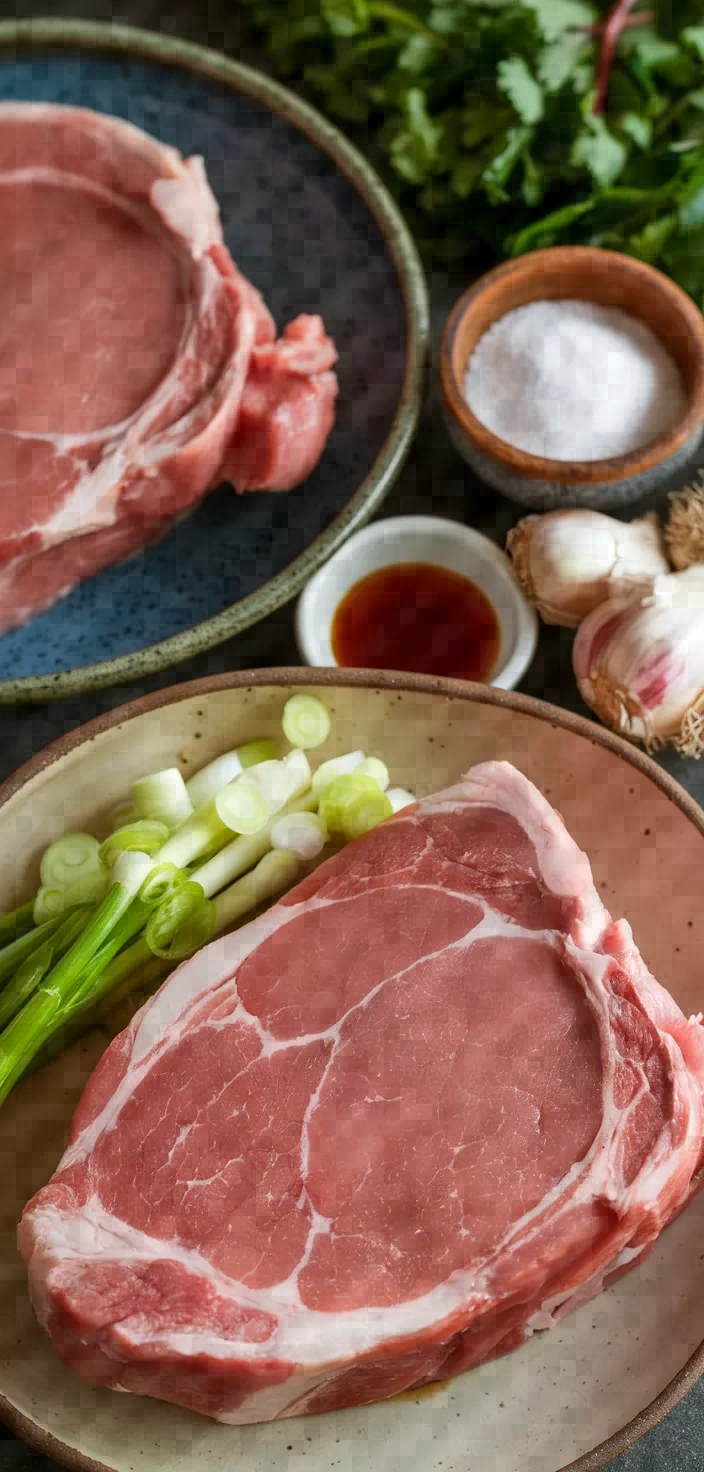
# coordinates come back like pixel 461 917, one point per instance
pixel 276 872
pixel 163 796
pixel 306 721
pixel 302 834
pixel 144 835
pixel 337 766
pixel 210 780
pixel 183 923
pixel 242 807
pixel 244 852
pixel 372 766
pixel 70 859
pixel 342 795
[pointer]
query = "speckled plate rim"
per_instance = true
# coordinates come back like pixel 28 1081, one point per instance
pixel 278 590
pixel 606 1452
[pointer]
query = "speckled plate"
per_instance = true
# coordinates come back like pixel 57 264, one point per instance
pixel 573 1398
pixel 309 222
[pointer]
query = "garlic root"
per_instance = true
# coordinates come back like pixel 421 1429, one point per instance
pixel 684 533
pixel 568 562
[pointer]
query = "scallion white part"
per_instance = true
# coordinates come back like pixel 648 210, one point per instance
pixel 372 766
pixel 73 857
pixel 337 766
pixel 274 873
pixel 164 796
pixel 211 779
pixel 302 834
pixel 131 870
pixel 52 900
pixel 279 781
pixel 400 798
pixel 306 721
pixel 243 853
pixel 242 807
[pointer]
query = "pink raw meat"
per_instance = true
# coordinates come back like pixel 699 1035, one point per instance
pixel 138 367
pixel 423 1106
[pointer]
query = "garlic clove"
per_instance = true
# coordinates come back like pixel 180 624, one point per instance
pixel 568 562
pixel 639 663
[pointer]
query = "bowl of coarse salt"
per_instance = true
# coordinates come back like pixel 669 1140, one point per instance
pixel 574 377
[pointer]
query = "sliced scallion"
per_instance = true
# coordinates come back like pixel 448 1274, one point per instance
pixel 302 834
pixel 242 807
pixel 306 721
pixel 244 852
pixel 144 835
pixel 183 923
pixel 163 881
pixel 372 766
pixel 342 794
pixel 276 872
pixel 163 796
pixel 200 833
pixel 71 859
pixel 337 766
pixel 54 900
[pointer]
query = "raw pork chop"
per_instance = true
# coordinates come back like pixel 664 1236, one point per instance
pixel 138 367
pixel 420 1108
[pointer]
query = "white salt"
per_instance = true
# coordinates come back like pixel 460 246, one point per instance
pixel 571 380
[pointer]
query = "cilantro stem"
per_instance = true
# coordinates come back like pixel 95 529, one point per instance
pixel 384 10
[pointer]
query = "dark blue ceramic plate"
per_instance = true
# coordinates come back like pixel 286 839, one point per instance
pixel 310 224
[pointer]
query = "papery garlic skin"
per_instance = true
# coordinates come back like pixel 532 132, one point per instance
pixel 568 562
pixel 639 663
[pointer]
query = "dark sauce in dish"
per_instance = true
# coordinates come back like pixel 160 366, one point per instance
pixel 418 617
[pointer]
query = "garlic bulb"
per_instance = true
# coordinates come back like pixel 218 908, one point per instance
pixel 639 663
pixel 568 562
pixel 684 533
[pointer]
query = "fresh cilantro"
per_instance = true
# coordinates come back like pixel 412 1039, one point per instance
pixel 483 113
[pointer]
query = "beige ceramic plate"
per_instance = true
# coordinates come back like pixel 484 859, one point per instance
pixel 575 1397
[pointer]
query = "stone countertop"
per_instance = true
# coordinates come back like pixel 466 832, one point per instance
pixel 434 480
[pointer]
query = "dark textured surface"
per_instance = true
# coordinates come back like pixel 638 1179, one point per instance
pixel 434 480
pixel 305 238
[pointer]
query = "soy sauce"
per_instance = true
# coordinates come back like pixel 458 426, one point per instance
pixel 418 617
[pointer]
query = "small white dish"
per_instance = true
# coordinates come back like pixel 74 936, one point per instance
pixel 446 544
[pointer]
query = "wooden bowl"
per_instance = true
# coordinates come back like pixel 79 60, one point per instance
pixel 611 280
pixel 593 1385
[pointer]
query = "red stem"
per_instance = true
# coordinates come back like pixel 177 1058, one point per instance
pixel 616 22
pixel 643 18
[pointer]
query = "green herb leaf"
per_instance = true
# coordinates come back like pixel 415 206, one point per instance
pixel 522 90
pixel 598 151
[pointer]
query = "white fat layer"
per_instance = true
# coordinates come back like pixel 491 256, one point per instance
pixel 318 1342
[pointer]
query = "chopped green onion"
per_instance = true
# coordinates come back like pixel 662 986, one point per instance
pixel 183 923
pixel 306 721
pixel 364 814
pixel 277 871
pixel 373 767
pixel 302 834
pixel 280 782
pixel 163 881
pixel 244 852
pixel 201 832
pixel 73 858
pixel 51 902
pixel 242 806
pixel 204 785
pixel 210 780
pixel 337 766
pixel 145 836
pixel 343 793
pixel 124 814
pixel 163 796
pixel 400 798
pixel 254 752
